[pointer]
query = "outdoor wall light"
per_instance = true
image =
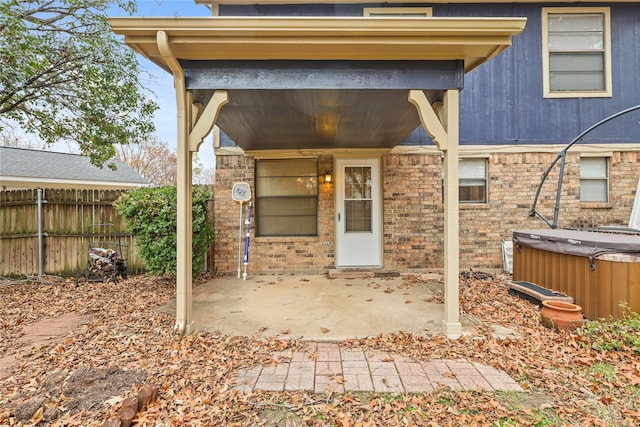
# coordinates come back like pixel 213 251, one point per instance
pixel 328 177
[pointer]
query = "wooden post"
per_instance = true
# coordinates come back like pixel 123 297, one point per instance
pixel 144 397
pixel 126 416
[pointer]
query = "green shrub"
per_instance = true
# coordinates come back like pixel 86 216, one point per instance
pixel 614 334
pixel 151 219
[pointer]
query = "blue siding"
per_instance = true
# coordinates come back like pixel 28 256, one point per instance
pixel 502 100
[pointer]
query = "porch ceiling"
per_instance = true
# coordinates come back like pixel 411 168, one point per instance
pixel 318 119
pixel 334 114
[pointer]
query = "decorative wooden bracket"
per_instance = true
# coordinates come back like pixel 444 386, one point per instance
pixel 429 119
pixel 206 119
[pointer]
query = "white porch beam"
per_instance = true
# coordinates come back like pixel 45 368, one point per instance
pixel 445 134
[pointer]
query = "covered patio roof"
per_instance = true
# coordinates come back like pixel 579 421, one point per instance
pixel 319 82
pixel 315 83
pixel 474 40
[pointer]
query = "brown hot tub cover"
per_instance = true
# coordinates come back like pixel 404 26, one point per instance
pixel 580 243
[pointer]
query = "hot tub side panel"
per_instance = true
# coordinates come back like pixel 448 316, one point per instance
pixel 599 292
pixel 559 272
pixel 618 282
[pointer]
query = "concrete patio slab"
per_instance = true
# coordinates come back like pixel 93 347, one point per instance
pixel 315 307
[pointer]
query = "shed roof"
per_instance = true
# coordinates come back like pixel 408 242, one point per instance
pixel 21 167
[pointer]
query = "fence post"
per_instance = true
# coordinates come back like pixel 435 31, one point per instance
pixel 40 232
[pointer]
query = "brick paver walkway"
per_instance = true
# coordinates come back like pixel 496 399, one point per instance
pixel 45 331
pixel 326 365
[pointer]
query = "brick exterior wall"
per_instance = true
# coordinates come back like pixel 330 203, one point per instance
pixel 413 212
pixel 269 254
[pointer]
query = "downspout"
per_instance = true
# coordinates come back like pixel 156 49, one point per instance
pixel 183 323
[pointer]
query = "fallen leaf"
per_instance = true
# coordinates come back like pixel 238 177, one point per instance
pixel 324 330
pixel 388 290
pixel 338 378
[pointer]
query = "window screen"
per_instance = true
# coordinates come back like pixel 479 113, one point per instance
pixel 473 180
pixel 594 182
pixel 576 48
pixel 286 197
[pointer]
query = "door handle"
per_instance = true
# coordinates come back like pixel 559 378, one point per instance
pixel 338 216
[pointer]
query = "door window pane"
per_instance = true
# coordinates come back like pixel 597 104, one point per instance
pixel 357 199
pixel 358 215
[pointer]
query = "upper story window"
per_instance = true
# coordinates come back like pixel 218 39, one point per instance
pixel 410 12
pixel 594 180
pixel 576 52
pixel 473 180
pixel 287 197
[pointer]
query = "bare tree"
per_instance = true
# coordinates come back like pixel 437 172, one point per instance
pixel 9 138
pixel 152 159
pixel 205 176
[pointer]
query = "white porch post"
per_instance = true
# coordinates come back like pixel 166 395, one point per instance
pixel 444 132
pixel 194 124
pixel 183 184
pixel 451 322
pixel 184 232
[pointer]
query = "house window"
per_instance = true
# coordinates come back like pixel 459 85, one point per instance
pixel 287 197
pixel 473 180
pixel 576 51
pixel 594 180
pixel 410 12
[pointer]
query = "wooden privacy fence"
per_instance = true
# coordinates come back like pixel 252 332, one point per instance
pixel 67 216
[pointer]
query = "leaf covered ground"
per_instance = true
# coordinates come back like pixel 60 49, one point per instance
pixel 586 378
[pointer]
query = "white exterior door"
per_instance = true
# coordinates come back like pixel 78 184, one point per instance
pixel 358 213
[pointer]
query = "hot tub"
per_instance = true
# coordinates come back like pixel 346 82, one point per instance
pixel 599 270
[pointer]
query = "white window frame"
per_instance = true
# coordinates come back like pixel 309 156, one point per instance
pixel 606 13
pixel 260 195
pixel 595 178
pixel 485 178
pixel 399 12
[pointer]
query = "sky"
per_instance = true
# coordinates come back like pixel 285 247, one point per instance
pixel 161 82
